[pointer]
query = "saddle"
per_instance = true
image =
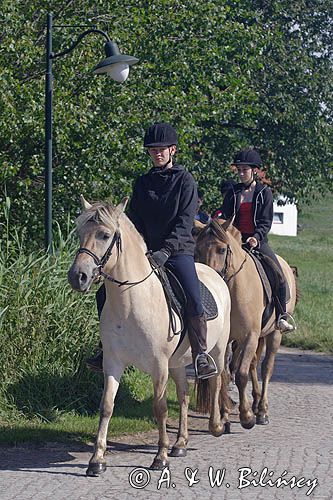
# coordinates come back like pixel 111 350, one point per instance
pixel 176 298
pixel 271 278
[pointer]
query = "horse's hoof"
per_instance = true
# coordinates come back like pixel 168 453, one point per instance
pixel 95 469
pixel 227 427
pixel 262 420
pixel 178 452
pixel 159 464
pixel 217 431
pixel 255 409
pixel 249 424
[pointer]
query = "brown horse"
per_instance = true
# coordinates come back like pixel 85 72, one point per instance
pixel 218 244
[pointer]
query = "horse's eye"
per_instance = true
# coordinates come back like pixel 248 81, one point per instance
pixel 102 235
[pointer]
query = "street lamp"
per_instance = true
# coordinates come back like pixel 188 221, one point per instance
pixel 116 65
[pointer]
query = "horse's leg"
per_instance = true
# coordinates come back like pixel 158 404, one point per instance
pixel 256 392
pixel 235 359
pixel 179 377
pixel 246 416
pixel 273 342
pixel 226 403
pixel 97 463
pixel 216 427
pixel 160 380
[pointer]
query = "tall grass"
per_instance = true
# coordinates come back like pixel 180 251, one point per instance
pixel 46 330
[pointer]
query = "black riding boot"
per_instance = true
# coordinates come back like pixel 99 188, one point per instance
pixel 197 333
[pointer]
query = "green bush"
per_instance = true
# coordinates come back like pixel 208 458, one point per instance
pixel 47 331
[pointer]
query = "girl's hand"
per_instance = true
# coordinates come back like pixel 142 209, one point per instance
pixel 252 241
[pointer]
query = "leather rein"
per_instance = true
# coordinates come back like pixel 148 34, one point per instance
pixel 224 270
pixel 100 263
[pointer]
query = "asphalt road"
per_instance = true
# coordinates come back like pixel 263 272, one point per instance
pixel 291 458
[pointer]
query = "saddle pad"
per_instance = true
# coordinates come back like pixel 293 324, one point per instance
pixel 175 290
pixel 263 276
pixel 208 302
pixel 268 276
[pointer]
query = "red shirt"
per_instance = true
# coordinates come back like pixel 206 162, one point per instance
pixel 244 219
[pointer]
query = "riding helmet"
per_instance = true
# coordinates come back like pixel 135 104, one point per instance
pixel 160 135
pixel 249 157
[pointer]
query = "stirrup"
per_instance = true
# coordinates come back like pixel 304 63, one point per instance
pixel 290 319
pixel 205 375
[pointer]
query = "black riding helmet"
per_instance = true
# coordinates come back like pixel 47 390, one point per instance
pixel 249 157
pixel 160 135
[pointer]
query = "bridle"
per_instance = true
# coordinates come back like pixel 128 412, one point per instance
pixel 100 263
pixel 224 270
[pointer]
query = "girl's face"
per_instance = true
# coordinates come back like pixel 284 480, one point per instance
pixel 161 155
pixel 245 173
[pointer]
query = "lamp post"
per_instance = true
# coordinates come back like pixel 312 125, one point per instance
pixel 116 65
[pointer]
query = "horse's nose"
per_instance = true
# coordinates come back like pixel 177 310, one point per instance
pixel 77 278
pixel 83 278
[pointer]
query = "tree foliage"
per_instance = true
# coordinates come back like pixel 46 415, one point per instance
pixel 226 73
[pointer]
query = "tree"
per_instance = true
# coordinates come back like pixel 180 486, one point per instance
pixel 227 74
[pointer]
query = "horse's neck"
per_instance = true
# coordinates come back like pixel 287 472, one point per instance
pixel 240 261
pixel 133 266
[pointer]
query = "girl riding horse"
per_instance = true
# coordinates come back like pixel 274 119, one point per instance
pixel 162 208
pixel 251 204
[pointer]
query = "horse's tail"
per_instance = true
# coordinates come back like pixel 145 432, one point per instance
pixel 204 396
pixel 203 403
pixel 298 292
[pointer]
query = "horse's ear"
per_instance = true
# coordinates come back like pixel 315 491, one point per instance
pixel 197 227
pixel 120 208
pixel 228 223
pixel 84 203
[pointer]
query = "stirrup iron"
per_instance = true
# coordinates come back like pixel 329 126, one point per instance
pixel 289 318
pixel 204 376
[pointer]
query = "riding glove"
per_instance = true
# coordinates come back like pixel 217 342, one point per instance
pixel 159 258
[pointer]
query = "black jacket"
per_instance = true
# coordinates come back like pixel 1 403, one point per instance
pixel 262 208
pixel 163 207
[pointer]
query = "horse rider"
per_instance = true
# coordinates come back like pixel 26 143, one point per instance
pixel 163 206
pixel 251 203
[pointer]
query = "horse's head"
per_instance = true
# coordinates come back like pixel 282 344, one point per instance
pixel 98 231
pixel 214 244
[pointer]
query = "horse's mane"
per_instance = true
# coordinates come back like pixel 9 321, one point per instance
pixel 100 212
pixel 213 228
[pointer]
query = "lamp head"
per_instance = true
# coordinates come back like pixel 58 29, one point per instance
pixel 116 65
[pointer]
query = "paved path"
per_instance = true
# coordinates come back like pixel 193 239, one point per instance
pixel 299 440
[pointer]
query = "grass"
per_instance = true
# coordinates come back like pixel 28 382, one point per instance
pixel 46 392
pixel 312 252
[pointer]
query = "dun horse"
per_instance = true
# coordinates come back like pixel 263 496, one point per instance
pixel 219 245
pixel 135 324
